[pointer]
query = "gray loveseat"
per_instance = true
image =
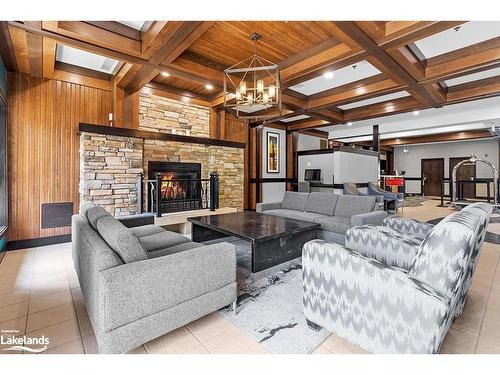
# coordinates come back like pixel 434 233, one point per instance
pixel 336 213
pixel 142 282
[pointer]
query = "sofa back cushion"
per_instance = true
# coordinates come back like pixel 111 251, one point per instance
pixel 322 203
pixel 121 239
pixel 443 257
pixel 85 206
pixel 349 205
pixel 94 214
pixel 294 201
pixel 350 188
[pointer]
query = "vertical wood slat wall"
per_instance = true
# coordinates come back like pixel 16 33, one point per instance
pixel 44 147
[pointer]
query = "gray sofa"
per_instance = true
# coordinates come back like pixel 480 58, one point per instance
pixel 142 282
pixel 384 303
pixel 336 213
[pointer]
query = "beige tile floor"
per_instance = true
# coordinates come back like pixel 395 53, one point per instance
pixel 40 295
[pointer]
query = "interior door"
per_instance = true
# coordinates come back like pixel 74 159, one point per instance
pixel 432 172
pixel 465 172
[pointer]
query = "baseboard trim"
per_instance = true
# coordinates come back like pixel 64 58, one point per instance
pixel 36 242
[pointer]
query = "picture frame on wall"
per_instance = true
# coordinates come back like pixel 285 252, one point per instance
pixel 273 152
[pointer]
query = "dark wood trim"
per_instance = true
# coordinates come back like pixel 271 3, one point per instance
pixel 124 132
pixel 258 165
pixel 82 71
pixel 36 242
pixel 315 133
pixel 336 149
pixel 264 180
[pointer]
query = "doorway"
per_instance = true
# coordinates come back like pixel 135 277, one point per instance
pixel 432 172
pixel 465 172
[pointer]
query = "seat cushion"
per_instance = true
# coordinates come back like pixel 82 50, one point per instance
pixel 349 205
pixel 174 249
pixel 120 239
pixel 162 240
pixel 336 224
pixel 322 203
pixel 146 230
pixel 294 201
pixel 296 215
pixel 96 213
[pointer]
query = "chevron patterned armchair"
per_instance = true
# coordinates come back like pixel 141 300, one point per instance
pixel 404 307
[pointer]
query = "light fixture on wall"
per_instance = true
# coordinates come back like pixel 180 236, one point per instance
pixel 253 85
pixel 406 149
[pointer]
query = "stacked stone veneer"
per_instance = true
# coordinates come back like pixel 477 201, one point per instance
pixel 110 165
pixel 109 171
pixel 166 115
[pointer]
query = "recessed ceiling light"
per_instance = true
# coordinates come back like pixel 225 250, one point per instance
pixel 416 113
pixel 349 123
pixel 328 75
pixel 165 74
pixel 208 86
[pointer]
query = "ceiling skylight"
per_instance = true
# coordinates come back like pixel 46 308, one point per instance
pixel 378 99
pixel 84 59
pixel 134 24
pixel 295 118
pixel 342 76
pixel 449 40
pixel 473 77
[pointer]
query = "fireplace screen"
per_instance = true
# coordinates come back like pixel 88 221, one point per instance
pixel 182 188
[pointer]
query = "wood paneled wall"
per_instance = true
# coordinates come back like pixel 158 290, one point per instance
pixel 44 147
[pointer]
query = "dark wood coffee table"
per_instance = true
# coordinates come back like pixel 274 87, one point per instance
pixel 274 239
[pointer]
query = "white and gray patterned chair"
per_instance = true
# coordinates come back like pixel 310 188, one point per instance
pixel 389 302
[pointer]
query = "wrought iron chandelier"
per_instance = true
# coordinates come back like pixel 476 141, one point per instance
pixel 252 87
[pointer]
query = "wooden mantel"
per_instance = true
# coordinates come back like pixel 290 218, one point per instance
pixel 124 132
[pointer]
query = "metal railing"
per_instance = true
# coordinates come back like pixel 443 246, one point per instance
pixel 175 195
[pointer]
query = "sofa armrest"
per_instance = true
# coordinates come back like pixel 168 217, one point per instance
pixel 134 290
pixel 137 220
pixel 373 218
pixel 261 207
pixel 409 226
pixel 386 245
pixel 391 311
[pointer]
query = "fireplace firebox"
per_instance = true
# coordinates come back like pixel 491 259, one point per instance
pixel 181 186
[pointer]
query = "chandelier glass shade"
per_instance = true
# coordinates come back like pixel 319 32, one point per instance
pixel 252 87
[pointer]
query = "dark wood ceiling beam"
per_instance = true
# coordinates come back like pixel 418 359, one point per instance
pixel 175 90
pixel 7 50
pixel 326 114
pixel 319 61
pixel 103 51
pixel 463 60
pixel 82 71
pixel 306 124
pixel 315 133
pixel 117 28
pixel 178 42
pixel 476 89
pixel 385 63
pixel 391 107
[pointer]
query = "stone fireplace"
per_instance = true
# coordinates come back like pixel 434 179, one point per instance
pixel 113 166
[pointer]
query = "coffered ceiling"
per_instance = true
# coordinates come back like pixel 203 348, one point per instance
pixel 331 72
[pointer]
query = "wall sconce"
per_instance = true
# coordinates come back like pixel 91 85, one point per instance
pixel 406 149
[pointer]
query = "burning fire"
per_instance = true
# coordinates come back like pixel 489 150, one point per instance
pixel 170 189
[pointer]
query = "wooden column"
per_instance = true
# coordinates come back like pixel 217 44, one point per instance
pixel 376 138
pixel 125 108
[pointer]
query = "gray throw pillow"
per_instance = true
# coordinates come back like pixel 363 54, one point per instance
pixel 121 239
